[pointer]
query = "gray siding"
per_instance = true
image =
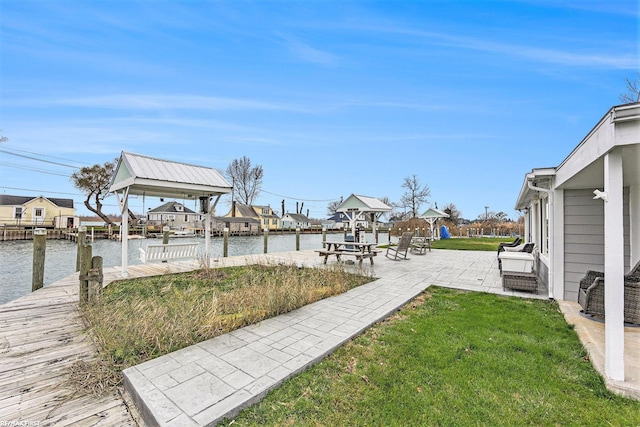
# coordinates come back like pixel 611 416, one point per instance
pixel 584 237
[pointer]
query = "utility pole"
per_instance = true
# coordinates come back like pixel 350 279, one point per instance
pixel 486 213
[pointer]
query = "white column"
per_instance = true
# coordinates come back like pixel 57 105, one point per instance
pixel 614 266
pixel 124 232
pixel 556 256
pixel 634 223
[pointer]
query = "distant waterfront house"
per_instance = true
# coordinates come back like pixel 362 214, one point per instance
pixel 38 211
pixel 236 226
pixel 263 214
pixel 293 220
pixel 175 215
pixel 585 215
pixel 340 220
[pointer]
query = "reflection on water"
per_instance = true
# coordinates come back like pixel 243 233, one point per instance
pixel 16 258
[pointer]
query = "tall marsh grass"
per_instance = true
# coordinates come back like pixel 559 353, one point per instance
pixel 140 319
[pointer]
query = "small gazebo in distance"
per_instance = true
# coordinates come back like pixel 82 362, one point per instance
pixel 140 175
pixel 432 215
pixel 363 208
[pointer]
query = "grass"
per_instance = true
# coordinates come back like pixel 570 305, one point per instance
pixel 140 319
pixel 471 243
pixel 452 358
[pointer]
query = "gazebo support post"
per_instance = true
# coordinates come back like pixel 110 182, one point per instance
pixel 207 231
pixel 123 203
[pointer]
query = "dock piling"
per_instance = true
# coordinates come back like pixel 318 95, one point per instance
pixel 39 250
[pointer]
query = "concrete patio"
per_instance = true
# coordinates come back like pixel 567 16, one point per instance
pixel 202 384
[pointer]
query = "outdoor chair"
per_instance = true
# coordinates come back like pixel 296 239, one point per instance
pixel 420 245
pixel 400 251
pixel 509 245
pixel 525 247
pixel 591 294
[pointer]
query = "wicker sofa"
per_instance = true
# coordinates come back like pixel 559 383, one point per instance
pixel 591 294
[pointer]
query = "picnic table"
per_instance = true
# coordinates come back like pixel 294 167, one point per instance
pixel 356 249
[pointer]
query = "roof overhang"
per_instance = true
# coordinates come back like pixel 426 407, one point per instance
pixel 364 204
pixel 147 176
pixel 539 178
pixel 434 213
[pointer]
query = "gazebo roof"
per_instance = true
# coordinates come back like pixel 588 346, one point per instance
pixel 434 213
pixel 163 178
pixel 363 204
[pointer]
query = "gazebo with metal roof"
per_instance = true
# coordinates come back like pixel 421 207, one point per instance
pixel 140 175
pixel 432 215
pixel 357 207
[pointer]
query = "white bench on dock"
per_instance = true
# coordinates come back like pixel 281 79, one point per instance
pixel 169 251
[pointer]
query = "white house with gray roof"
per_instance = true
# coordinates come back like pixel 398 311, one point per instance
pixel 585 215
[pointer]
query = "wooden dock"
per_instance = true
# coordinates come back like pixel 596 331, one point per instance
pixel 41 336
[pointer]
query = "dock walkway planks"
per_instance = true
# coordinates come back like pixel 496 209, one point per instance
pixel 41 336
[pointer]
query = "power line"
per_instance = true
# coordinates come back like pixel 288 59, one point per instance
pixel 45 155
pixel 9 165
pixel 303 200
pixel 41 191
pixel 37 159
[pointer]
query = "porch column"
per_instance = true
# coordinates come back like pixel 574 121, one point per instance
pixel 614 266
pixel 556 255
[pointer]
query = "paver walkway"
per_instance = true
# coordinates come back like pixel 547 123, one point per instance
pixel 202 384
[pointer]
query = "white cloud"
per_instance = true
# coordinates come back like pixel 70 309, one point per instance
pixel 307 53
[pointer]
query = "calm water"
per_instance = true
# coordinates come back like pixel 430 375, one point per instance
pixel 16 258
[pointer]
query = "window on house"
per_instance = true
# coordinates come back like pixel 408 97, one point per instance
pixel 265 211
pixel 17 213
pixel 186 218
pixel 246 225
pixel 274 221
pixel 38 212
pixel 543 215
pixel 265 222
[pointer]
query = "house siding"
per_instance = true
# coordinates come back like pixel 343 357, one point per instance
pixel 584 237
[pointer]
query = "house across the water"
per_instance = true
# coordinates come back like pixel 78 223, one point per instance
pixel 40 211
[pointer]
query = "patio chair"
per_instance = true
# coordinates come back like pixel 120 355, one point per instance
pixel 400 251
pixel 509 245
pixel 591 294
pixel 420 245
pixel 525 247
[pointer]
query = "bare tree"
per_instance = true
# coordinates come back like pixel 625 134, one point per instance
pixel 633 89
pixel 333 206
pixel 246 179
pixel 453 212
pixel 415 195
pixel 93 181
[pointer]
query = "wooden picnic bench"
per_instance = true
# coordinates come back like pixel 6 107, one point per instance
pixel 169 251
pixel 358 250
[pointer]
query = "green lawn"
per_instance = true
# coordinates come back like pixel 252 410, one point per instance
pixel 471 243
pixel 452 358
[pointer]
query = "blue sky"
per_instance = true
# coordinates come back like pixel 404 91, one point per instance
pixel 330 97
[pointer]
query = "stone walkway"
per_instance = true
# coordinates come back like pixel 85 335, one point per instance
pixel 202 384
